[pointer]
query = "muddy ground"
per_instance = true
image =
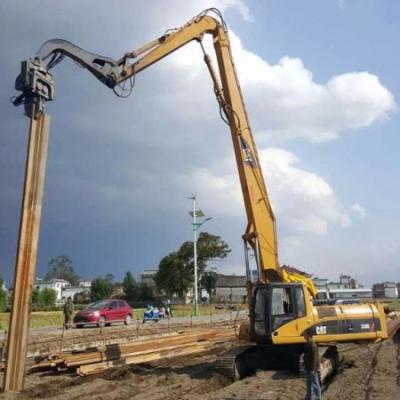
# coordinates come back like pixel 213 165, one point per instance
pixel 367 373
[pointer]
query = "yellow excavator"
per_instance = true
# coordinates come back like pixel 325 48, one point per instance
pixel 280 299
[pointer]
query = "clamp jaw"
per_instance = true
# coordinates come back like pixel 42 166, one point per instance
pixel 36 82
pixel 37 86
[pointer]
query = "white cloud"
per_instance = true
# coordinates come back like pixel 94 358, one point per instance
pixel 302 200
pixel 359 210
pixel 239 5
pixel 140 148
pixel 285 101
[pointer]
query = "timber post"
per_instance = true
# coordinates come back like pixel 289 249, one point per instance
pixel 25 269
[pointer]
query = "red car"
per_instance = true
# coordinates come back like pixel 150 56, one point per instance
pixel 104 312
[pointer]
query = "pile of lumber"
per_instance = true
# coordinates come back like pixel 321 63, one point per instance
pixel 79 339
pixel 138 351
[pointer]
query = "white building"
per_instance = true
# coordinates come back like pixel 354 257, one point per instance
pixel 56 284
pixel 147 277
pixel 230 288
pixel 346 288
pixel 85 283
pixel 71 291
pixel 385 289
pixel 358 293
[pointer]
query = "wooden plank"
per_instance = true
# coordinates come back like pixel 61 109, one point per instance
pixel 141 348
pixel 114 352
pixel 145 357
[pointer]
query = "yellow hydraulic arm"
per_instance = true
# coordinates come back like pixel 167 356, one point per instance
pixel 260 234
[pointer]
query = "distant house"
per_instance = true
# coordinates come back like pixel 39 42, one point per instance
pixel 321 283
pixel 347 287
pixel 147 277
pixel 385 290
pixel 118 291
pixel 345 293
pixel 85 283
pixel 230 288
pixel 71 291
pixel 56 284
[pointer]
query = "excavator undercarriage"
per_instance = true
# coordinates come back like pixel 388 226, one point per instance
pixel 245 360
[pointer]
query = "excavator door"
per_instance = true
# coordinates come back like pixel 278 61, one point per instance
pixel 278 309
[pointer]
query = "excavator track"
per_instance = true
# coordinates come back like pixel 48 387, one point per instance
pixel 227 364
pixel 244 361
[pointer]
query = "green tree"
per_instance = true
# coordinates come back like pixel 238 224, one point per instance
pixel 174 275
pixel 82 297
pixel 176 270
pixel 44 298
pixel 48 297
pixel 131 288
pixel 61 268
pixel 35 297
pixel 109 278
pixel 3 297
pixel 209 281
pixel 146 292
pixel 101 289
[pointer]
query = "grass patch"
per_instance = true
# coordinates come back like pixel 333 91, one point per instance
pixel 39 319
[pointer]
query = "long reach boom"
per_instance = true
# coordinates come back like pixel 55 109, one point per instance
pixel 37 86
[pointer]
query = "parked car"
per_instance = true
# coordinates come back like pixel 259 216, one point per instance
pixel 104 312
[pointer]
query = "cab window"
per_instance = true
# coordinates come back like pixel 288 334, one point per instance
pixel 301 305
pixel 282 306
pixel 259 312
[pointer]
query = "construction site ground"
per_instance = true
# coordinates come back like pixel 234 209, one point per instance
pixel 367 372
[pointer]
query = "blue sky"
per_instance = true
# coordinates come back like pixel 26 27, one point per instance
pixel 320 80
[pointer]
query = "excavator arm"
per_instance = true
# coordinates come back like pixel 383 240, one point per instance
pixel 260 234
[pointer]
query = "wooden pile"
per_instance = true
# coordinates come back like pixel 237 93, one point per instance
pixel 393 326
pixel 138 351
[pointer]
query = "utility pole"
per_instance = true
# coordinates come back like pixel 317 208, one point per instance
pixel 196 285
pixel 196 225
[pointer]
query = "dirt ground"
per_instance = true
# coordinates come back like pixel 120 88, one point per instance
pixel 367 373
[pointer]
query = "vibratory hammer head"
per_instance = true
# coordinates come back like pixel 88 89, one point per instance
pixel 36 84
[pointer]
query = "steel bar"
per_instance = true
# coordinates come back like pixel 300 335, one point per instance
pixel 26 253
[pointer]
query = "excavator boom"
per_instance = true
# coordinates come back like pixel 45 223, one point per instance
pixel 260 233
pixel 280 302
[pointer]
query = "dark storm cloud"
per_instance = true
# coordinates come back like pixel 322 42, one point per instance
pixel 109 186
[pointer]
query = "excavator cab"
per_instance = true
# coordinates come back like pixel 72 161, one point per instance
pixel 275 305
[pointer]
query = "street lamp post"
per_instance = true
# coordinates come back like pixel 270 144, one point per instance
pixel 196 225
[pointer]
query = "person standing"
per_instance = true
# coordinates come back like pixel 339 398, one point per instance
pixel 169 309
pixel 312 366
pixel 68 313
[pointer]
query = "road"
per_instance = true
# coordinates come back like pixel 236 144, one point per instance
pixel 223 316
